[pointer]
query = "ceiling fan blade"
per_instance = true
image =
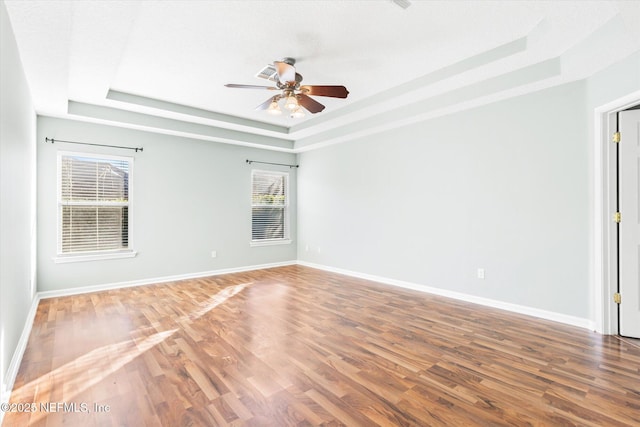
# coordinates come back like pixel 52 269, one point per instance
pixel 332 91
pixel 286 72
pixel 266 103
pixel 309 104
pixel 232 85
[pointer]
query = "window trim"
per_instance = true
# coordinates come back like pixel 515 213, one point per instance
pixel 129 252
pixel 94 256
pixel 270 242
pixel 286 240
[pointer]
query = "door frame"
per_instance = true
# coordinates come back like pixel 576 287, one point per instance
pixel 605 313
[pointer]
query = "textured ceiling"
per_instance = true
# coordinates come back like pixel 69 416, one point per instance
pixel 167 61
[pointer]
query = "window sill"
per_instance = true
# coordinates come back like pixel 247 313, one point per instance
pixel 270 242
pixel 62 259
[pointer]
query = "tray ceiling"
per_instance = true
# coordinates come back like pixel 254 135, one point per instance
pixel 162 65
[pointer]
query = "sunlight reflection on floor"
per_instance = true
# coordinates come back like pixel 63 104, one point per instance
pixel 93 367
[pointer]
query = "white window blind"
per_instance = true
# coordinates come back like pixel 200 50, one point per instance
pixel 93 202
pixel 269 206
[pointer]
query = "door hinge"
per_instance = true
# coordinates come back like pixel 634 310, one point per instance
pixel 617 298
pixel 617 217
pixel 616 137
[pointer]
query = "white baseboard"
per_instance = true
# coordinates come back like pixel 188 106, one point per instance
pixel 516 308
pixel 164 279
pixel 12 371
pixel 24 338
pixel 16 359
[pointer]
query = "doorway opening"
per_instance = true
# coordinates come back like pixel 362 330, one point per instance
pixel 604 196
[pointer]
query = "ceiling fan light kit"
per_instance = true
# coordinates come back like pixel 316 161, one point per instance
pixel 297 113
pixel 274 108
pixel 296 97
pixel 291 102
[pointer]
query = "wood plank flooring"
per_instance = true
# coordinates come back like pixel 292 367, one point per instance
pixel 295 346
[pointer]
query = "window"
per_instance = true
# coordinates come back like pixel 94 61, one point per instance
pixel 94 205
pixel 269 207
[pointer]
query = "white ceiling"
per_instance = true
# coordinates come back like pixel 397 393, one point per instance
pixel 168 61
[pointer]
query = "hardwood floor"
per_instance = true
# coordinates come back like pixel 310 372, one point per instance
pixel 298 346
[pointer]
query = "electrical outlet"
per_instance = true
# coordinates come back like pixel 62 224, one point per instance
pixel 214 254
pixel 306 248
pixel 481 273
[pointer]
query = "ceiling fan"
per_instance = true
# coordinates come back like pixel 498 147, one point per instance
pixel 296 97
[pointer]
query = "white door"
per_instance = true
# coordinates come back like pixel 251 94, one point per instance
pixel 629 193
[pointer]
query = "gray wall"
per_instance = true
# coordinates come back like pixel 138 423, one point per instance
pixel 17 208
pixel 189 197
pixel 507 187
pixel 502 187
